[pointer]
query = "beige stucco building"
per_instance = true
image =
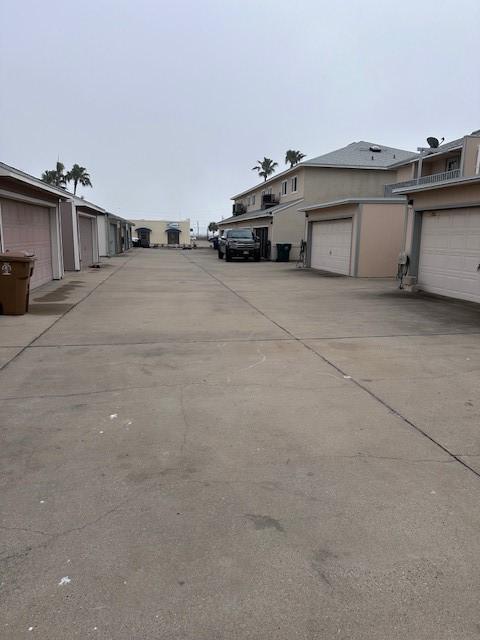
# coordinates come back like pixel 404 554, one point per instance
pixel 442 237
pixel 275 208
pixel 159 233
pixel 356 236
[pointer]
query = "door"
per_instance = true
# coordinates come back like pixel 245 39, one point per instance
pixel 331 245
pixel 112 243
pixel 26 227
pixel 450 254
pixel 143 235
pixel 262 233
pixel 173 236
pixel 85 228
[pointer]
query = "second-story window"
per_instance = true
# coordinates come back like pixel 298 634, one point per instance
pixel 284 188
pixel 294 184
pixel 253 199
pixel 453 163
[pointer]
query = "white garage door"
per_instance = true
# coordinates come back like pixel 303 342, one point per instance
pixel 450 254
pixel 331 245
pixel 26 227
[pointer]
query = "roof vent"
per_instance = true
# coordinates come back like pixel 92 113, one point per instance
pixel 375 148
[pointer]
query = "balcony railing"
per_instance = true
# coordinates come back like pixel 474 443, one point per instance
pixel 431 179
pixel 268 200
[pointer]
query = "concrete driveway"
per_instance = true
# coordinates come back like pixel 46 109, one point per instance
pixel 196 450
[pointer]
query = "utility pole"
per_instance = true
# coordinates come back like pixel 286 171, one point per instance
pixel 198 229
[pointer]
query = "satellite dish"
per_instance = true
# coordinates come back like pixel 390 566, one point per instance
pixel 433 142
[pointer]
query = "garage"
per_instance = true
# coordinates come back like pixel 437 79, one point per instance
pixel 331 242
pixel 450 253
pixel 26 227
pixel 86 232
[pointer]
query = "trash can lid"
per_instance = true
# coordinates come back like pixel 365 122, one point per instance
pixel 17 256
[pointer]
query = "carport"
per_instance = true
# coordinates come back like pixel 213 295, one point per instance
pixel 30 221
pixel 359 237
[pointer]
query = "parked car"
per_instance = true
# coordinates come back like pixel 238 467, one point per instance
pixel 240 243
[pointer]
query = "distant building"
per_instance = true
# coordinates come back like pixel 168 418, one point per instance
pixel 157 233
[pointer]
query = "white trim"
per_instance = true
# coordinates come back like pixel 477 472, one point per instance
pixel 345 201
pixel 56 243
pixel 11 195
pixel 76 245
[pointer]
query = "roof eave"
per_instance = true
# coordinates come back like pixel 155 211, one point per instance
pixel 346 201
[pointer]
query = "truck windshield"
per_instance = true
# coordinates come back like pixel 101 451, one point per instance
pixel 240 233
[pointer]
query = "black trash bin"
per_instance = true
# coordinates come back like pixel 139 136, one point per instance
pixel 283 251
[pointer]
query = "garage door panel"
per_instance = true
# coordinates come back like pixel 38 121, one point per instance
pixel 331 243
pixel 450 254
pixel 86 242
pixel 27 228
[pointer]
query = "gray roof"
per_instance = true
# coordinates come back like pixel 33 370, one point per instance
pixel 261 213
pixel 360 154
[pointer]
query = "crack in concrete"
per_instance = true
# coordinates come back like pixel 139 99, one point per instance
pixel 337 368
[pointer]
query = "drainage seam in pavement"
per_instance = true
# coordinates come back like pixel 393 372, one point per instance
pixel 391 409
pixel 74 306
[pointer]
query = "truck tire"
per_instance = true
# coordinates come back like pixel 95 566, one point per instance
pixel 256 257
pixel 228 257
pixel 220 255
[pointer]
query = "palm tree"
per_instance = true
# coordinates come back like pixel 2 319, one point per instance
pixel 293 157
pixel 213 226
pixel 55 176
pixel 78 174
pixel 265 167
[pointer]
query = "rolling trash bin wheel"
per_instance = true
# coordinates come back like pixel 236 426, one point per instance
pixel 16 269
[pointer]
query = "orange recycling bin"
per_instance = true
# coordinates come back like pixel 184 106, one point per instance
pixel 16 268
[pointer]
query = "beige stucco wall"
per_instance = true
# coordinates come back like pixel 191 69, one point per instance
pixel 404 173
pixel 324 185
pixel 382 232
pixel 276 190
pixel 158 228
pixel 449 196
pixel 288 226
pixel 321 184
pixel 471 152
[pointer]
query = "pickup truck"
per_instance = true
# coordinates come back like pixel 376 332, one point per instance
pixel 240 242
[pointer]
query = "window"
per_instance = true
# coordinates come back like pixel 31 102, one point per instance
pixel 249 200
pixel 269 191
pixel 294 184
pixel 253 199
pixel 453 163
pixel 284 188
pixel 263 192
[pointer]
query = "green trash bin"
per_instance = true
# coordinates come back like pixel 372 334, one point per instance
pixel 283 251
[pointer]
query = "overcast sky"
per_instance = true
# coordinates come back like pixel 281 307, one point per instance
pixel 170 104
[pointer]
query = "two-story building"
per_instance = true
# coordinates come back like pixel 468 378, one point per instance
pixel 442 238
pixel 274 208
